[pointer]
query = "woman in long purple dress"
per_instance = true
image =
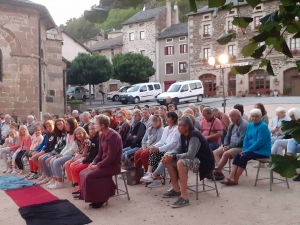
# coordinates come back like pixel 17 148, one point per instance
pixel 97 184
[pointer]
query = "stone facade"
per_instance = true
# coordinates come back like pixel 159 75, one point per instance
pixel 256 81
pixel 19 45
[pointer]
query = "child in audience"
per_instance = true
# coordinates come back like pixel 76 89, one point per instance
pixel 12 144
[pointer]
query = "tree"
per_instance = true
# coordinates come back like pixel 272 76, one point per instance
pixel 132 68
pixel 274 27
pixel 89 69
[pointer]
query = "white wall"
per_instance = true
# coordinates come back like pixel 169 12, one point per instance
pixel 70 48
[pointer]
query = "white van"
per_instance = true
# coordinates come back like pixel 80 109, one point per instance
pixel 141 92
pixel 183 91
pixel 114 95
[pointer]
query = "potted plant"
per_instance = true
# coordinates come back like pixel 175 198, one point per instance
pixel 77 105
pixel 276 92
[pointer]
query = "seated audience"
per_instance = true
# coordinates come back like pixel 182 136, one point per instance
pixel 129 116
pixel 232 144
pixel 114 122
pixel 46 117
pixel 197 114
pixel 86 121
pixel 97 184
pixel 151 137
pixel 8 150
pixel 30 124
pixel 162 112
pixel 211 128
pixel 241 109
pixel 225 121
pixel 276 124
pixel 264 117
pixel 169 101
pixel 75 114
pixel 15 118
pixel 256 144
pixel 192 153
pixel 191 112
pixel 147 117
pixel 5 127
pixel 94 113
pixel 124 125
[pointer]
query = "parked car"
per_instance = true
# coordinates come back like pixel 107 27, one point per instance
pixel 114 95
pixel 76 93
pixel 141 92
pixel 88 93
pixel 183 91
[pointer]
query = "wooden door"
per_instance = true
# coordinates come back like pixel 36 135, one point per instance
pixel 113 87
pixel 291 79
pixel 168 84
pixel 209 84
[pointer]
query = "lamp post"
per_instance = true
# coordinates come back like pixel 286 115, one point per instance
pixel 222 60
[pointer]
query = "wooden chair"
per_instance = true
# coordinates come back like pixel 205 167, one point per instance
pixel 271 178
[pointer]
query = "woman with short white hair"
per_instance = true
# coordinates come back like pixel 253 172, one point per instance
pixel 256 144
pixel 276 124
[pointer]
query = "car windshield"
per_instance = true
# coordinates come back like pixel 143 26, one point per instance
pixel 174 88
pixel 134 88
pixel 71 90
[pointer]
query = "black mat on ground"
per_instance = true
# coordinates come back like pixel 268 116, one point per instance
pixel 59 212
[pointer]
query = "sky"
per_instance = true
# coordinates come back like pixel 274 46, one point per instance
pixel 63 10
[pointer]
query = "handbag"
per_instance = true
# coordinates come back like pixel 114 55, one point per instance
pixel 134 175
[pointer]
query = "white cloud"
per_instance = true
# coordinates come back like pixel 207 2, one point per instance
pixel 63 10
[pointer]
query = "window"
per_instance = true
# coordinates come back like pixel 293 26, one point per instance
pixel 143 52
pixel 182 67
pixel 232 50
pixel 193 86
pixel 199 85
pixel 130 26
pixel 131 36
pixel 143 88
pixel 259 81
pixel 206 30
pixel 182 38
pixel 156 86
pixel 150 87
pixel 206 53
pixel 230 27
pixel 259 7
pixel 142 35
pixel 1 66
pixel 169 50
pixel 231 12
pixel 295 44
pixel 184 88
pixel 257 22
pixel 183 48
pixel 168 40
pixel 206 17
pixel 112 53
pixel 231 82
pixel 169 68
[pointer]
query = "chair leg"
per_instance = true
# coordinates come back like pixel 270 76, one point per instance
pixel 271 179
pixel 257 174
pixel 125 184
pixel 216 187
pixel 246 172
pixel 197 184
pixel 287 183
pixel 116 179
pixel 203 184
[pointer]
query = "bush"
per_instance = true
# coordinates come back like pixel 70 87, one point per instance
pixel 74 102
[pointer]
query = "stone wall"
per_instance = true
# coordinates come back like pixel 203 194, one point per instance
pixel 218 26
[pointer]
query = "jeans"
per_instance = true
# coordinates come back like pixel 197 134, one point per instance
pixel 128 153
pixel 56 165
pixel 213 145
pixel 293 147
pixel 47 169
pixel 275 138
pixel 278 146
pixel 19 159
pixel 242 160
pixel 160 169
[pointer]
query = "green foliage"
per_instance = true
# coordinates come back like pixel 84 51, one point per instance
pixel 74 102
pixel 226 38
pixel 89 69
pixel 132 68
pixel 284 165
pixel 96 15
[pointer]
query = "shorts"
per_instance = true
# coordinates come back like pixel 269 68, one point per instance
pixel 233 151
pixel 191 164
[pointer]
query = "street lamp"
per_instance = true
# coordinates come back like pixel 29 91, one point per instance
pixel 222 60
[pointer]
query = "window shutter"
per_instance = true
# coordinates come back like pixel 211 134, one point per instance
pixel 186 48
pixel 166 50
pixel 172 50
pixel 181 49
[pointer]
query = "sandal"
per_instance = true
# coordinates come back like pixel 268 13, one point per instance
pixel 228 182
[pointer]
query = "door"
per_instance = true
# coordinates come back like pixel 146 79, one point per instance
pixel 151 92
pixel 113 87
pixel 193 91
pixel 168 84
pixel 143 93
pixel 184 93
pixel 231 84
pixel 291 81
pixel 209 83
pixel 259 82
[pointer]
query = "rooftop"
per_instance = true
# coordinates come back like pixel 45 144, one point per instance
pixel 74 39
pixel 107 44
pixel 174 30
pixel 144 15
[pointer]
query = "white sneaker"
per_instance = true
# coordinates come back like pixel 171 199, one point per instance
pixel 147 178
pixel 27 175
pixel 21 172
pixel 46 180
pixel 14 171
pixel 262 165
pixel 50 182
pixel 42 177
pixel 4 171
pixel 154 184
pixel 9 170
pixel 33 176
pixel 56 185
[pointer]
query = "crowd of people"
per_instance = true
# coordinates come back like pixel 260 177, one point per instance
pixel 92 147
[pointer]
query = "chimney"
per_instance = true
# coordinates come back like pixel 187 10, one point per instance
pixel 175 14
pixel 169 13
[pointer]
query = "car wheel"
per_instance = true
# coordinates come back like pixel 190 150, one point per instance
pixel 124 103
pixel 115 98
pixel 176 100
pixel 199 98
pixel 136 100
pixel 84 98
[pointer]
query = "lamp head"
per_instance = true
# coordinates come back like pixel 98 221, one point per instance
pixel 211 61
pixel 223 58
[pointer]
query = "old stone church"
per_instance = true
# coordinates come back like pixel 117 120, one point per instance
pixel 31 66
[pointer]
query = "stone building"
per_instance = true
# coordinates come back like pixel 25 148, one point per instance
pixel 205 27
pixel 140 31
pixel 93 40
pixel 31 72
pixel 114 33
pixel 172 60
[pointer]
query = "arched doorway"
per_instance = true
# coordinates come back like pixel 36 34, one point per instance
pixel 291 82
pixel 231 84
pixel 209 83
pixel 259 82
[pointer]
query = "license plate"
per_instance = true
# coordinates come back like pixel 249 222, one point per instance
pixel 122 98
pixel 160 100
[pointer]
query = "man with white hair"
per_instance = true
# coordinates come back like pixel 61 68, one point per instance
pixel 75 115
pixel 170 102
pixel 276 124
pixel 5 127
pixel 191 105
pixel 232 144
pixel 30 124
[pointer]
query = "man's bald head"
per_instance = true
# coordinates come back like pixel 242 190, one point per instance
pixel 189 111
pixel 235 115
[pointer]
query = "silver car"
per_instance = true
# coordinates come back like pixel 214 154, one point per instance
pixel 77 93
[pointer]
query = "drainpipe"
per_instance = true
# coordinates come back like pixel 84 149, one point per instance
pixel 40 71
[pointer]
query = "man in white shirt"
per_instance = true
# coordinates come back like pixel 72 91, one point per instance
pixel 5 127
